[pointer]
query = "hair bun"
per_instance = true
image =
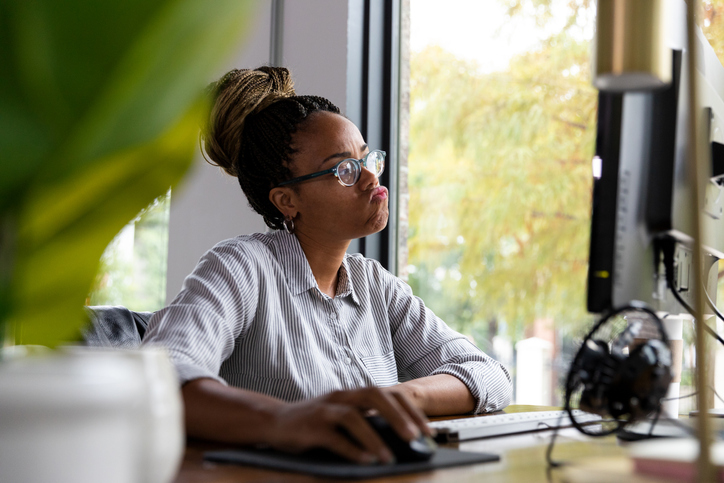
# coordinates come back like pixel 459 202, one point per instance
pixel 280 86
pixel 238 94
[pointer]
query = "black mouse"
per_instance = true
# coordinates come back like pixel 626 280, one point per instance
pixel 420 449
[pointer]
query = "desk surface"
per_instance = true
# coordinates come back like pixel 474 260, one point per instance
pixel 522 460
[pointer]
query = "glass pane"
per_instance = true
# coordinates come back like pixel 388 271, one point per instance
pixel 711 21
pixel 502 132
pixel 132 272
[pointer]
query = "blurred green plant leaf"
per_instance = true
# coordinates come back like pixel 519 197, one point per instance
pixel 100 104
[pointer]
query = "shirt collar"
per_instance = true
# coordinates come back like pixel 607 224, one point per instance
pixel 345 286
pixel 292 259
pixel 298 272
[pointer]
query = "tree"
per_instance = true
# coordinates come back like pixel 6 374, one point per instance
pixel 500 179
pixel 500 185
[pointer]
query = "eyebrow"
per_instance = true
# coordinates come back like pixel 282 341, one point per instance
pixel 344 155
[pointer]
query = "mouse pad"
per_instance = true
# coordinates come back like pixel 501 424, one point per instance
pixel 337 468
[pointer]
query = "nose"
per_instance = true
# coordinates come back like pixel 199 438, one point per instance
pixel 367 179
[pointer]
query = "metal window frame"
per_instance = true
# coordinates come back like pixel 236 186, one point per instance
pixel 373 87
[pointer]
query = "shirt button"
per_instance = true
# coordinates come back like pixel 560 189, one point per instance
pixel 348 360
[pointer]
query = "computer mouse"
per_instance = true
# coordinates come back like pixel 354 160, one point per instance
pixel 421 449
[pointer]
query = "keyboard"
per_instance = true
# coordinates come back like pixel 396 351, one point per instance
pixel 453 430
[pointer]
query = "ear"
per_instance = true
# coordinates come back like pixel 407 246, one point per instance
pixel 285 201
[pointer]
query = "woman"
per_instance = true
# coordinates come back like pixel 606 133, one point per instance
pixel 283 338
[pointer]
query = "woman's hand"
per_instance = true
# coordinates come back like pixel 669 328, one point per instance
pixel 229 414
pixel 322 423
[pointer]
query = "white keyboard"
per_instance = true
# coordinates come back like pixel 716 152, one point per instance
pixel 505 424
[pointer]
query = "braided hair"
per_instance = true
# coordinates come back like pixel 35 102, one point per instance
pixel 250 128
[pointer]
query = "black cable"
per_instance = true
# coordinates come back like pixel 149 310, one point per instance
pixel 681 397
pixel 713 306
pixel 716 393
pixel 667 245
pixel 549 451
pixel 694 394
pixel 681 425
pixel 691 310
pixel 656 420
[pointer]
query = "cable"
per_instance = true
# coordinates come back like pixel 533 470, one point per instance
pixel 681 397
pixel 656 420
pixel 716 393
pixel 690 309
pixel 712 304
pixel 681 425
pixel 549 451
pixel 667 245
pixel 694 394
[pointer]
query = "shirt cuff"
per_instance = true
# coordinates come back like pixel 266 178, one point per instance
pixel 189 372
pixel 490 394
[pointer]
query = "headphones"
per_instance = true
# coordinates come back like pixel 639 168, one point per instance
pixel 612 383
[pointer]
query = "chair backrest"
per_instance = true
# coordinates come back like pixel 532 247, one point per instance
pixel 115 326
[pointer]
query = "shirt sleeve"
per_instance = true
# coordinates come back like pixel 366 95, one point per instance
pixel 425 346
pixel 216 303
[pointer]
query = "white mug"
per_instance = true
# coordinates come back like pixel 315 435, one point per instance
pixel 160 420
pixel 67 421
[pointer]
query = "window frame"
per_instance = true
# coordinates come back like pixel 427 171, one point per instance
pixel 373 104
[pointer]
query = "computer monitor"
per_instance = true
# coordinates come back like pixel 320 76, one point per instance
pixel 641 189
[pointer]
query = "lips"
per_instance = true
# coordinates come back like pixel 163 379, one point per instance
pixel 378 194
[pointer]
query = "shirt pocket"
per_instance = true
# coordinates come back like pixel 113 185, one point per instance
pixel 382 368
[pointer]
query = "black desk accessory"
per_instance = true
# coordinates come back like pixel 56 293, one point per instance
pixel 334 467
pixel 421 449
pixel 606 379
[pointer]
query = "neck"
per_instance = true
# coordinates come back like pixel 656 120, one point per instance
pixel 324 259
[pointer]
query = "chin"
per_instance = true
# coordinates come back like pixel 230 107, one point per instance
pixel 379 222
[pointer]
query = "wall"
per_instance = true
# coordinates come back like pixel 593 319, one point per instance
pixel 209 206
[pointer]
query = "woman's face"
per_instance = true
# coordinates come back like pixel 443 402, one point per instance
pixel 326 210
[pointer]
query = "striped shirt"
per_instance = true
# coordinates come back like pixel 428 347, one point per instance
pixel 251 315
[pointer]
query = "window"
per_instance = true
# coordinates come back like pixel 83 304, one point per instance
pixel 132 272
pixel 502 131
pixel 502 119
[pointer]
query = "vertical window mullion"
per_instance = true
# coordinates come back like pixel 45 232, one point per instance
pixel 377 117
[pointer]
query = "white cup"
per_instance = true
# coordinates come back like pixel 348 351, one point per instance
pixel 160 419
pixel 67 421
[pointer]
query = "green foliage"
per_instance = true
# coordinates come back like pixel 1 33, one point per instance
pixel 101 103
pixel 500 184
pixel 500 175
pixel 710 17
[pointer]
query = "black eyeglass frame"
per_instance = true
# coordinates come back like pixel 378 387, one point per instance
pixel 358 163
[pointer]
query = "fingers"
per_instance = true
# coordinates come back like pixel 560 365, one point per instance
pixel 368 441
pixel 402 415
pixel 415 413
pixel 339 428
pixel 398 416
pixel 344 447
pixel 335 422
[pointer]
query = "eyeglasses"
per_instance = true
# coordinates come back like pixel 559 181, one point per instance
pixel 349 170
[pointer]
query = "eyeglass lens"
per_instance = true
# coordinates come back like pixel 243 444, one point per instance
pixel 349 170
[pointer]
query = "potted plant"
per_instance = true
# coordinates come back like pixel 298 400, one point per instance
pixel 100 104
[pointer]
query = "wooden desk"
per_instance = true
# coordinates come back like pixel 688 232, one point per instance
pixel 522 460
